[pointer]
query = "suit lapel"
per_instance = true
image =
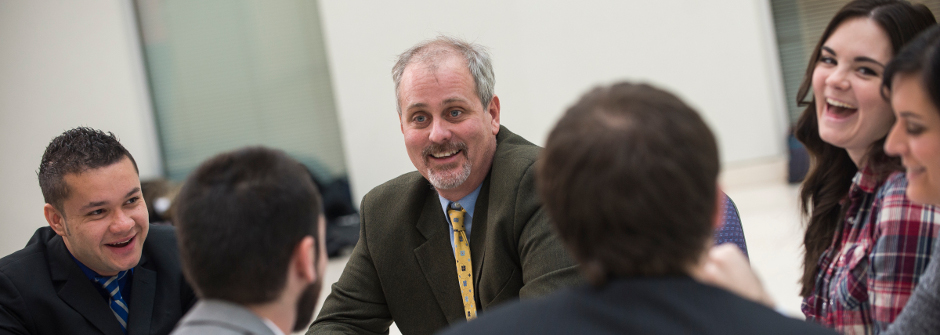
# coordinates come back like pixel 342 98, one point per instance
pixel 436 258
pixel 478 236
pixel 77 291
pixel 142 293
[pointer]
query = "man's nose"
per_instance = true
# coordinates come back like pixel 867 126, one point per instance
pixel 440 131
pixel 122 222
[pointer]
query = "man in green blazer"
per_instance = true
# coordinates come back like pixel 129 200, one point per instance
pixel 474 182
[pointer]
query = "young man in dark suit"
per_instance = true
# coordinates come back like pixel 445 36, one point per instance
pixel 99 268
pixel 629 177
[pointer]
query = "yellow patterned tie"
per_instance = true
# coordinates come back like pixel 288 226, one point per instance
pixel 464 265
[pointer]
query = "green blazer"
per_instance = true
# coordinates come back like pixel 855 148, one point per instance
pixel 403 267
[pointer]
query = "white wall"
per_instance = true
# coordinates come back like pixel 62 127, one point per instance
pixel 720 56
pixel 65 64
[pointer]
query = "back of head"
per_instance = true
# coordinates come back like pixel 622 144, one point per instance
pixel 75 151
pixel 241 214
pixel 629 176
pixel 919 57
pixel 431 52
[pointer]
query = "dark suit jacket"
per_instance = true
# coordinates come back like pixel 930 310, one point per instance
pixel 653 305
pixel 403 267
pixel 43 291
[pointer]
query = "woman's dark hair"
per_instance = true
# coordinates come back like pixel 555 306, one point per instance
pixel 831 170
pixel 918 57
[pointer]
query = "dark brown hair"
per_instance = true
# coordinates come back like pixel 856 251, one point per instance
pixel 628 176
pixel 75 151
pixel 240 216
pixel 919 57
pixel 831 170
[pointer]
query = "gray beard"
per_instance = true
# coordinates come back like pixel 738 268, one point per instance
pixel 449 180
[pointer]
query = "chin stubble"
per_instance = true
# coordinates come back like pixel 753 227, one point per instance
pixel 445 179
pixel 449 180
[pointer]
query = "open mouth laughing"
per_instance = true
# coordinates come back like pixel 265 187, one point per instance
pixel 122 243
pixel 838 109
pixel 444 153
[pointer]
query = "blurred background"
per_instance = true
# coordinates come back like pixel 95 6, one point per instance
pixel 179 81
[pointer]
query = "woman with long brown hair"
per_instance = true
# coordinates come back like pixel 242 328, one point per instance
pixel 866 244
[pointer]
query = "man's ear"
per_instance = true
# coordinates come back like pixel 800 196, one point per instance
pixel 493 109
pixel 304 259
pixel 55 219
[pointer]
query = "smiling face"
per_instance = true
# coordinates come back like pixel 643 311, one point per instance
pixel 450 136
pixel 105 220
pixel 846 84
pixel 916 137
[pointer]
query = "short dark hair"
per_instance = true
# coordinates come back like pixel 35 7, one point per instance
pixel 75 151
pixel 240 216
pixel 628 176
pixel 919 57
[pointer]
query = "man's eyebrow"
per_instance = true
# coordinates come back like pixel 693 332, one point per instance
pixel 102 203
pixel 452 100
pixel 417 105
pixel 132 192
pixel 94 204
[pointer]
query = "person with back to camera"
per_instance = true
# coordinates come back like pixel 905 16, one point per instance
pixel 252 243
pixel 866 243
pixel 629 178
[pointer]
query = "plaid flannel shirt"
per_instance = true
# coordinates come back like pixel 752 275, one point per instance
pixel 876 258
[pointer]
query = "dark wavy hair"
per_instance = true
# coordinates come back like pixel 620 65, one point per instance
pixel 831 170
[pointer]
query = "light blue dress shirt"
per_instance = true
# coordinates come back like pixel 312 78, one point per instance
pixel 468 203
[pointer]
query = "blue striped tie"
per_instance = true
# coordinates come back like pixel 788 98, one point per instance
pixel 118 306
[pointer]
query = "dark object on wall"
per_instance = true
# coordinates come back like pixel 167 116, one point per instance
pixel 342 218
pixel 798 162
